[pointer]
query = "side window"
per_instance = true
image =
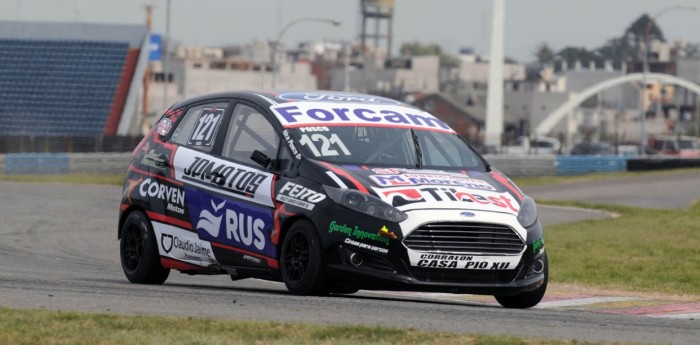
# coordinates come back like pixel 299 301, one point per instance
pixel 199 126
pixel 248 131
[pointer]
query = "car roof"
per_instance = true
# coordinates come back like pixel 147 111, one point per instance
pixel 272 97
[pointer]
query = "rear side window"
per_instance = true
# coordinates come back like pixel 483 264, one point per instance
pixel 199 126
pixel 248 131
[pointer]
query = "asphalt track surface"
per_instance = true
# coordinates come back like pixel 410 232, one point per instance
pixel 58 250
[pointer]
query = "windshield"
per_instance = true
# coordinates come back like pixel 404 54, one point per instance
pixel 386 146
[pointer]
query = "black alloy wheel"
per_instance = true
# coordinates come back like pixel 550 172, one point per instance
pixel 139 252
pixel 302 266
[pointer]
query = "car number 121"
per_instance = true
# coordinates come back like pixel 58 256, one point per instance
pixel 206 127
pixel 326 144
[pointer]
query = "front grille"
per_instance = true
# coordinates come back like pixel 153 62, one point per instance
pixel 463 237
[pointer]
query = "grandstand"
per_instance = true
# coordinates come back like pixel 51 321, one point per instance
pixel 68 82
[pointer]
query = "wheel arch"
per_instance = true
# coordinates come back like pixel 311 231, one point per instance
pixel 288 223
pixel 126 214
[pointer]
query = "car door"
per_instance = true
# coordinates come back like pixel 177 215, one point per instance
pixel 234 208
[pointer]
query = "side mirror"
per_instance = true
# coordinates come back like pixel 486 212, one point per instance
pixel 261 158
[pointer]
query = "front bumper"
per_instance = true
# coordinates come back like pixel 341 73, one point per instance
pixel 399 269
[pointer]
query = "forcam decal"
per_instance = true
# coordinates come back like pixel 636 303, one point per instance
pixel 231 223
pixel 223 177
pixel 304 114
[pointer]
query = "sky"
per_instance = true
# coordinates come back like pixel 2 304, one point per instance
pixel 451 23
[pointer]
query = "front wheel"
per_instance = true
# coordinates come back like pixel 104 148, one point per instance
pixel 527 299
pixel 139 252
pixel 301 260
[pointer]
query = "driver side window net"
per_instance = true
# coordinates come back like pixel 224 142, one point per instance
pixel 248 131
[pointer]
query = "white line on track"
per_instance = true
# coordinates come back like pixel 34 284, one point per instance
pixel 582 301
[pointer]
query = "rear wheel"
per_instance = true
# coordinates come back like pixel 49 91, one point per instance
pixel 527 299
pixel 301 266
pixel 138 251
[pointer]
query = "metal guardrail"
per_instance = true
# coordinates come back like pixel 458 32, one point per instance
pixel 62 163
pixel 578 165
pixel 514 166
pixel 524 166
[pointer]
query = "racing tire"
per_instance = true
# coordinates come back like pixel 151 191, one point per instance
pixel 527 299
pixel 139 252
pixel 301 263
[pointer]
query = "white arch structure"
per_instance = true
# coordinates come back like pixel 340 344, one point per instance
pixel 558 114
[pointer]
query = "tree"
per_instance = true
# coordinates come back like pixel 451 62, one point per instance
pixel 545 54
pixel 626 47
pixel 417 49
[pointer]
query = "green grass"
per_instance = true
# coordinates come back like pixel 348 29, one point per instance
pixel 546 180
pixel 642 250
pixel 51 327
pixel 108 179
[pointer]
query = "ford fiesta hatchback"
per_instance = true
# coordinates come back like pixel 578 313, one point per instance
pixel 329 193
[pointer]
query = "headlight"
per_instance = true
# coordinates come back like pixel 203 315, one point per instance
pixel 365 203
pixel 528 212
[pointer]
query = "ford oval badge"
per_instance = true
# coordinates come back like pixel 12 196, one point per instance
pixel 467 214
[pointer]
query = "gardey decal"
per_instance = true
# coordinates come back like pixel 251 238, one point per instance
pixel 182 245
pixel 232 223
pixel 473 262
pixel 357 233
pixel 417 179
pixel 490 201
pixel 224 177
pixel 304 114
pixel 174 196
pixel 300 196
pixel 331 97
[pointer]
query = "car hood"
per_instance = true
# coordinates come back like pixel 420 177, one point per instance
pixel 411 189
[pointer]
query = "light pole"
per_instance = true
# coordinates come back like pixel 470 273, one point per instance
pixel 645 70
pixel 273 58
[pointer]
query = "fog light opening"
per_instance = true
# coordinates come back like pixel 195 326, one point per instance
pixel 538 266
pixel 355 259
